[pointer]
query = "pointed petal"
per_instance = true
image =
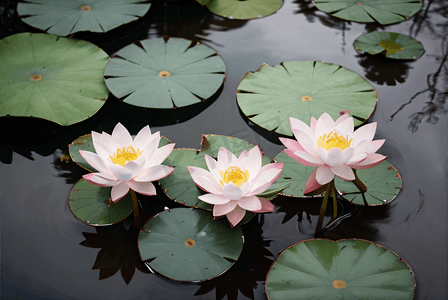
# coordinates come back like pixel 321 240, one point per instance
pixel 161 154
pixel 299 125
pixel 93 178
pixel 258 187
pixel 324 124
pixel 119 191
pixel 145 188
pixel 196 173
pixel 122 136
pixel 214 199
pixel 266 206
pixel 143 137
pixel 133 167
pixel 213 167
pixel 344 172
pixel 270 172
pixel 252 162
pixel 291 144
pixel 225 157
pixel 345 127
pixel 309 159
pixel 232 191
pixel 311 183
pixel 366 132
pixel 342 118
pixel 250 203
pixel 95 161
pixel 375 145
pixel 313 124
pixel 322 153
pixel 324 175
pixel 223 209
pixel 356 159
pixel 243 154
pixel 121 173
pixel 100 145
pixel 371 160
pixel 149 151
pixel 361 147
pixel 235 216
pixel 210 185
pixel 337 157
pixel 305 141
pixel 154 173
pixel 292 154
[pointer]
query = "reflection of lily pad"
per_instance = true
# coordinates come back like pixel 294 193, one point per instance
pixel 50 77
pixel 244 9
pixel 165 73
pixel 91 204
pixel 366 11
pixel 345 269
pixel 383 184
pixel 302 89
pixel 391 44
pixel 188 245
pixel 64 17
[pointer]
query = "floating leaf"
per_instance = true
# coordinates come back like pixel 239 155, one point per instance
pixel 64 17
pixel 188 245
pixel 344 269
pixel 391 44
pixel 302 89
pixel 383 184
pixel 244 9
pixel 366 11
pixel 165 73
pixel 92 205
pixel 50 77
pixel 85 142
pixel 203 2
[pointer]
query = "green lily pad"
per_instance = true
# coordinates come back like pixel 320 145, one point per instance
pixel 383 184
pixel 294 174
pixel 391 44
pixel 244 10
pixel 188 245
pixel 366 11
pixel 302 89
pixel 343 269
pixel 64 17
pixel 50 77
pixel 85 142
pixel 165 73
pixel 92 205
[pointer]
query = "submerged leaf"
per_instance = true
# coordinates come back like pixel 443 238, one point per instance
pixel 243 9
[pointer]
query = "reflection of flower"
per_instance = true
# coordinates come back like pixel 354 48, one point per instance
pixel 333 147
pixel 232 183
pixel 123 162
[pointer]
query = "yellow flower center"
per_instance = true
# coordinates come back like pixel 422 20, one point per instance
pixel 333 140
pixel 121 156
pixel 234 174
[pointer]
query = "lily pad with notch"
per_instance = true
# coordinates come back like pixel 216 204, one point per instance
pixel 343 269
pixel 367 11
pixel 383 184
pixel 390 44
pixel 243 9
pixel 302 89
pixel 50 77
pixel 187 245
pixel 165 73
pixel 64 17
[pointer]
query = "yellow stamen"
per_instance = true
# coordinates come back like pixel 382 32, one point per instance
pixel 234 174
pixel 333 140
pixel 121 156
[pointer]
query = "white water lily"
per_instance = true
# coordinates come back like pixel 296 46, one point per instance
pixel 232 183
pixel 125 163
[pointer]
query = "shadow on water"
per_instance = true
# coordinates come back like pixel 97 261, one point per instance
pixel 383 70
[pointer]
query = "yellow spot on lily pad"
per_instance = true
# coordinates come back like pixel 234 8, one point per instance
pixel 190 243
pixel 307 98
pixel 339 284
pixel 86 7
pixel 391 46
pixel 35 77
pixel 164 74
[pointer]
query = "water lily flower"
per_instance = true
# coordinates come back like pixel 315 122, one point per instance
pixel 333 147
pixel 125 163
pixel 232 183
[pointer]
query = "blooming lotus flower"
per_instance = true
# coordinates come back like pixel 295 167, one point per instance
pixel 333 147
pixel 232 183
pixel 123 162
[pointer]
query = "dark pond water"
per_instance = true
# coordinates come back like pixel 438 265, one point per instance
pixel 47 254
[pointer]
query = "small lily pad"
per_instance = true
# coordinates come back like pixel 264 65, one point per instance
pixel 343 269
pixel 383 184
pixel 243 9
pixel 366 11
pixel 92 205
pixel 50 77
pixel 185 244
pixel 165 73
pixel 64 17
pixel 302 89
pixel 391 44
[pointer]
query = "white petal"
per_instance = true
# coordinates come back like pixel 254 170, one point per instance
pixel 100 145
pixel 345 127
pixel 214 199
pixel 121 173
pixel 270 172
pixel 344 172
pixel 361 147
pixel 142 137
pixel 133 167
pixel 259 187
pixel 119 191
pixel 366 132
pixel 235 216
pixel 342 118
pixel 154 173
pixel 324 175
pixel 95 179
pixel 297 124
pixel 245 187
pixel 223 209
pixel 210 185
pixel 121 135
pixel 356 158
pixel 305 141
pixel 213 167
pixel 161 154
pixel 148 152
pixel 250 203
pixel 225 157
pixel 145 188
pixel 95 161
pixel 374 146
pixel 252 162
pixel 323 154
pixel 232 191
pixel 312 160
pixel 324 124
pixel 337 157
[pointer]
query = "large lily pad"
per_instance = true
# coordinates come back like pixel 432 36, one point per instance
pixel 188 245
pixel 92 205
pixel 344 269
pixel 302 89
pixel 391 44
pixel 243 10
pixel 366 11
pixel 165 73
pixel 383 184
pixel 52 78
pixel 64 17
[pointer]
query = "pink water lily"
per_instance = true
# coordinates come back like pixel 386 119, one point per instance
pixel 125 163
pixel 232 183
pixel 333 147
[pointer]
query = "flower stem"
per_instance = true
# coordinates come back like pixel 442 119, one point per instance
pixel 136 212
pixel 335 204
pixel 323 208
pixel 361 187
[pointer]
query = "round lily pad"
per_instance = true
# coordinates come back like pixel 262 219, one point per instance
pixel 343 269
pixel 185 244
pixel 302 89
pixel 165 73
pixel 50 77
pixel 243 9
pixel 92 205
pixel 391 44
pixel 366 11
pixel 64 17
pixel 383 184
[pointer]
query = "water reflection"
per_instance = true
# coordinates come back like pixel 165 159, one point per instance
pixel 383 70
pixel 65 167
